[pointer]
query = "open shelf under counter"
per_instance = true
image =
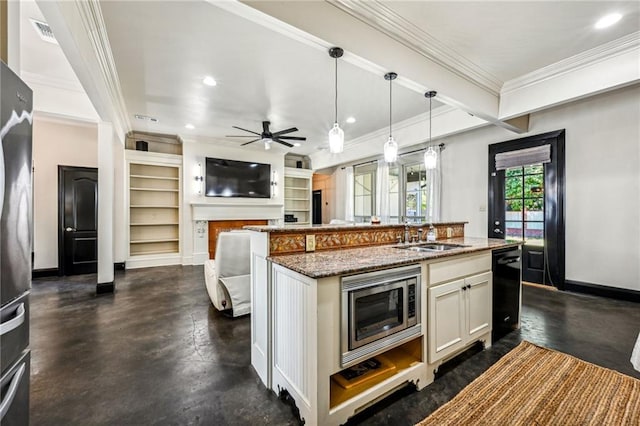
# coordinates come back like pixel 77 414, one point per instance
pixel 152 206
pixel 402 357
pixel 154 224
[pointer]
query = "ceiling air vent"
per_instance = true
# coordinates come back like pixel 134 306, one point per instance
pixel 146 118
pixel 44 31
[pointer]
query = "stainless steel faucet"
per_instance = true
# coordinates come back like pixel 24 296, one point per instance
pixel 407 233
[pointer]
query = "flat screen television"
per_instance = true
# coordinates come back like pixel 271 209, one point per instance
pixel 230 178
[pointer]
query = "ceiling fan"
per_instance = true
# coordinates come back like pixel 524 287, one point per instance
pixel 267 136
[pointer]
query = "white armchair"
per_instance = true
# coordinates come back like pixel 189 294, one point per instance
pixel 228 276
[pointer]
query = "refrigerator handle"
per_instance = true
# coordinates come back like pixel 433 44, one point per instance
pixel 13 323
pixel 11 393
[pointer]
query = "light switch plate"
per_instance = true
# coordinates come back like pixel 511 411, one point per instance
pixel 310 243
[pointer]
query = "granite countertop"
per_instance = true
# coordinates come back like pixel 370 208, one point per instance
pixel 343 227
pixel 341 262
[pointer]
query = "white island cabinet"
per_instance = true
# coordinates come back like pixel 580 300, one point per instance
pixel 306 352
pixel 298 331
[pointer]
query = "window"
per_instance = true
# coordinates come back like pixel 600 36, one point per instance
pixel 524 203
pixel 415 207
pixel 364 191
pixel 394 195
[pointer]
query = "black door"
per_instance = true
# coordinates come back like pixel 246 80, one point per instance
pixel 317 207
pixel 78 234
pixel 528 203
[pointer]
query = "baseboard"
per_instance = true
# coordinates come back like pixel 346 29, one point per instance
pixel 103 288
pixel 45 272
pixel 119 266
pixel 603 290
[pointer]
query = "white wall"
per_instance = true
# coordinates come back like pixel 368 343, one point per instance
pixel 55 142
pixel 602 213
pixel 195 247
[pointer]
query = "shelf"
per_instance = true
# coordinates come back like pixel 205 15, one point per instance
pixel 143 253
pixel 295 199
pixel 154 224
pixel 154 177
pixel 296 187
pixel 162 240
pixel 154 189
pixel 403 357
pixel 295 210
pixel 153 206
pixel 297 223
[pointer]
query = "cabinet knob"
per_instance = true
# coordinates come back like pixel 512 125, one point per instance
pixel 464 288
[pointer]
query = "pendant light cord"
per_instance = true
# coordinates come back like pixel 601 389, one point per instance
pixel 430 99
pixel 336 97
pixel 390 100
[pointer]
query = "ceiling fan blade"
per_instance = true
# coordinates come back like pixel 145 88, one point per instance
pixel 237 136
pixel 247 143
pixel 250 131
pixel 282 132
pixel 283 142
pixel 265 126
pixel 293 138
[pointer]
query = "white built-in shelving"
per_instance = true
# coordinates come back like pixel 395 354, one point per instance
pixel 297 195
pixel 153 182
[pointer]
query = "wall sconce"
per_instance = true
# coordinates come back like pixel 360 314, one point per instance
pixel 199 179
pixel 274 185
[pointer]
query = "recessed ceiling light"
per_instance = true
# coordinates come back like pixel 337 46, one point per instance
pixel 209 81
pixel 608 20
pixel 189 126
pixel 297 144
pixel 351 120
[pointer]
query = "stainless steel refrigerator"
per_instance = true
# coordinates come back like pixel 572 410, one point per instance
pixel 16 109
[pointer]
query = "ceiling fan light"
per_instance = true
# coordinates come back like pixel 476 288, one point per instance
pixel 390 150
pixel 336 139
pixel 430 158
pixel 267 144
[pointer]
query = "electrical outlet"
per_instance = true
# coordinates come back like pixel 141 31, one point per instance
pixel 310 243
pixel 449 232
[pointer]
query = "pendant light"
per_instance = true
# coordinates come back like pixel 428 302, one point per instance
pixel 391 146
pixel 336 135
pixel 430 156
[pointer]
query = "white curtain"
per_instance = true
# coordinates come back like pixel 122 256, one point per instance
pixel 344 194
pixel 434 186
pixel 382 191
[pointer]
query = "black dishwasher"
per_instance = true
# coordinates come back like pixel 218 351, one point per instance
pixel 506 291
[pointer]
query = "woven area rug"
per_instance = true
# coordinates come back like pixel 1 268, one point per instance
pixel 532 385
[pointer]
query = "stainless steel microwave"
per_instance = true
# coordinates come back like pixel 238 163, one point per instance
pixel 379 310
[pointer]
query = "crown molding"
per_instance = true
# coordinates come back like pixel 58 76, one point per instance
pixel 57 83
pixel 64 119
pixel 409 122
pixel 375 14
pixel 93 23
pixel 587 58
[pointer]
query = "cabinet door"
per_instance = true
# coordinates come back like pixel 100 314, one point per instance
pixel 446 319
pixel 479 300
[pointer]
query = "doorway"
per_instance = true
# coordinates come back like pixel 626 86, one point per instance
pixel 316 212
pixel 526 202
pixel 77 220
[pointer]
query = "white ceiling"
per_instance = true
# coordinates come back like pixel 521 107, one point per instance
pixel 261 75
pixel 163 49
pixel 509 39
pixel 39 57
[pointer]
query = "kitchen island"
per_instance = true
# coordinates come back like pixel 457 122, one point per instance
pixel 319 333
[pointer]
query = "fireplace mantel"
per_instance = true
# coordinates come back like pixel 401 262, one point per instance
pixel 233 211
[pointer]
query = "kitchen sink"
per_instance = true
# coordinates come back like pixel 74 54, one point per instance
pixel 431 247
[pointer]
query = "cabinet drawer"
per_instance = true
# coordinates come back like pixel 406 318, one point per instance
pixel 458 268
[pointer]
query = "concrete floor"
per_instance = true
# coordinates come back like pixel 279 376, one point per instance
pixel 157 352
